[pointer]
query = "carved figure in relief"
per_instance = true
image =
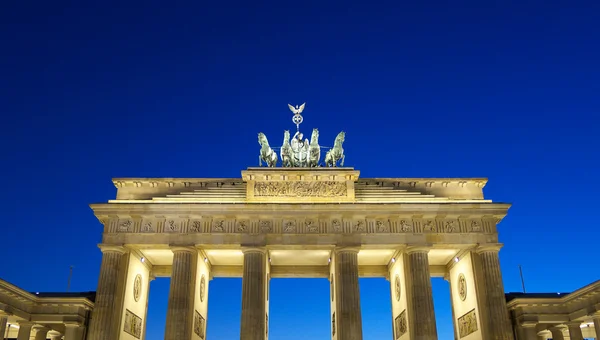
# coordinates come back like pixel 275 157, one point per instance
pixel 147 226
pixel 462 287
pixel 429 226
pixel 337 152
pixel 314 150
pixel 475 226
pixel 172 225
pixel 450 226
pixel 218 226
pixel 404 226
pixel 286 150
pixel 196 226
pixel 397 287
pixel 300 189
pixel 125 226
pixel 132 324
pixel 311 227
pixel 265 226
pixel 360 226
pixel 400 324
pixel 266 153
pixel 337 225
pixel 202 288
pixel 381 226
pixel 467 324
pixel 137 287
pixel 290 226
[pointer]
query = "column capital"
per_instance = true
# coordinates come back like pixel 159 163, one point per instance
pixel 418 249
pixel 111 248
pixel 488 248
pixel 573 323
pixel 72 324
pixel 346 250
pixel 248 250
pixel 5 313
pixel 26 323
pixel 528 324
pixel 183 249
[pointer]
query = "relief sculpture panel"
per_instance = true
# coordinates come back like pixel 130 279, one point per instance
pixel 467 324
pixel 133 324
pixel 300 189
pixel 199 325
pixel 400 324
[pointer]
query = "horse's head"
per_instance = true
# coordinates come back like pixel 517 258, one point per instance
pixel 314 138
pixel 286 136
pixel 341 136
pixel 261 138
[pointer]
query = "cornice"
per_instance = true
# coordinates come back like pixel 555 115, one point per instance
pixel 34 300
pixel 579 294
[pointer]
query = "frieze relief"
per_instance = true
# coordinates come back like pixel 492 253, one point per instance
pixel 199 325
pixel 300 189
pixel 400 324
pixel 309 225
pixel 467 324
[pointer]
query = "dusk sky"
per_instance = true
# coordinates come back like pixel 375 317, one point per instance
pixel 506 90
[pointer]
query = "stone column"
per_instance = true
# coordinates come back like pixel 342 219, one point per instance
pixel 72 331
pixel 498 323
pixel 557 333
pixel 528 331
pixel 575 330
pixel 150 279
pixel 348 314
pixel 596 318
pixel 180 315
pixel 254 323
pixel 544 335
pixel 55 335
pixel 3 321
pixel 106 314
pixel 25 330
pixel 41 332
pixel 419 294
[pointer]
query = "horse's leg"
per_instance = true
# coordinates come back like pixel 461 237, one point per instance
pixel 342 162
pixel 259 161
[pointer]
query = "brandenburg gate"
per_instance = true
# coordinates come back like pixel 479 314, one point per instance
pixel 308 220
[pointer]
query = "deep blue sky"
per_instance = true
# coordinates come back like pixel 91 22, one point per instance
pixel 506 90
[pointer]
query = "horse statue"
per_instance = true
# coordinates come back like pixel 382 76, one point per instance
pixel 286 150
pixel 336 153
pixel 266 153
pixel 314 150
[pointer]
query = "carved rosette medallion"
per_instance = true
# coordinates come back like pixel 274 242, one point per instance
pixel 400 324
pixel 462 287
pixel 137 287
pixel 300 189
pixel 397 289
pixel 467 324
pixel 202 288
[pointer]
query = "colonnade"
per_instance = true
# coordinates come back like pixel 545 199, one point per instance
pixel 410 282
pixel 31 330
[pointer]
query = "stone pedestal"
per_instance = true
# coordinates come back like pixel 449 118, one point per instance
pixel 25 330
pixel 348 314
pixel 254 317
pixel 419 294
pixel 498 326
pixel 575 331
pixel 181 295
pixel 106 314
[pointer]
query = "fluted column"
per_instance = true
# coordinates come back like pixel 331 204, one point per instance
pixel 181 295
pixel 25 330
pixel 575 330
pixel 498 323
pixel 528 331
pixel 348 314
pixel 420 296
pixel 253 323
pixel 106 315
pixel 73 331
pixel 3 321
pixel 596 319
pixel 41 332
pixel 557 333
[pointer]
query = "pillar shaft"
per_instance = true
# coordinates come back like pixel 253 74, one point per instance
pixel 575 331
pixel 420 297
pixel 24 331
pixel 72 331
pixel 557 333
pixel 597 325
pixel 181 296
pixel 254 323
pixel 498 323
pixel 106 315
pixel 41 333
pixel 3 321
pixel 529 332
pixel 348 314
